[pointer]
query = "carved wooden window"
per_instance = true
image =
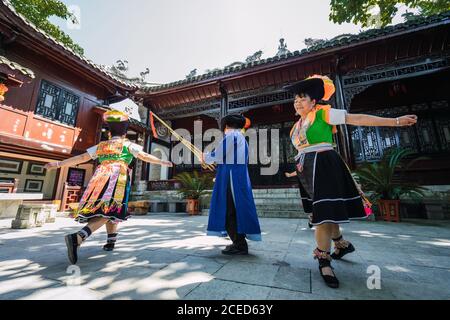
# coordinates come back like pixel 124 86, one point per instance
pixel 443 126
pixel 388 137
pixel 430 135
pixel 370 143
pixel 357 144
pixel 407 138
pixel 57 104
pixel 427 137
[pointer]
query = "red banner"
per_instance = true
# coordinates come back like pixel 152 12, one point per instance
pixel 152 124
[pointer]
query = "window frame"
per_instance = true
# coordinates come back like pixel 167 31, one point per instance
pixel 60 105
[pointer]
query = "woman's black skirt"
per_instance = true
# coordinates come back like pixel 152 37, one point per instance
pixel 328 190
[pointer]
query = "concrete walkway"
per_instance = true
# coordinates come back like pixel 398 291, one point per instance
pixel 168 256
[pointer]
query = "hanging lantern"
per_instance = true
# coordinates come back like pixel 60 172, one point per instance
pixel 3 90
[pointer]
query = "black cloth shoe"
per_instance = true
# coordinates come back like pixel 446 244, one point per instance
pixel 324 259
pixel 330 281
pixel 234 250
pixel 342 252
pixel 109 246
pixel 72 247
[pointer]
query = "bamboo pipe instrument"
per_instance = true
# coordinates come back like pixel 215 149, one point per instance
pixel 186 143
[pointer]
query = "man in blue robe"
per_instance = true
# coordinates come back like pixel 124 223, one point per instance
pixel 232 211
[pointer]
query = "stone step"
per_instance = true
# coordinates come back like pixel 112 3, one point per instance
pixel 280 207
pixel 293 214
pixel 282 214
pixel 255 192
pixel 278 199
pixel 273 201
pixel 275 191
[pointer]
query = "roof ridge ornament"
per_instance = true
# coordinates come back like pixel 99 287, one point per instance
pixel 192 74
pixel 282 48
pixel 254 57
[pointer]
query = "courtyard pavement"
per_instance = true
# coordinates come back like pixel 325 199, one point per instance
pixel 168 256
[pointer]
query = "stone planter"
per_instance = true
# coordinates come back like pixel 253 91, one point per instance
pixel 434 209
pixel 50 211
pixel 139 208
pixel 29 216
pixel 34 215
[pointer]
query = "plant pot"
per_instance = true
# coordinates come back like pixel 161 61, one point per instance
pixel 193 207
pixel 389 210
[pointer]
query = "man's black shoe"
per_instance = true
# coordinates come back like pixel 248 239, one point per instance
pixel 72 247
pixel 233 250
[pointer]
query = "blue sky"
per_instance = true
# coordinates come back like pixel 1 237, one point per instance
pixel 172 37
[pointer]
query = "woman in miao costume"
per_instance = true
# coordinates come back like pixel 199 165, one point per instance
pixel 105 200
pixel 327 188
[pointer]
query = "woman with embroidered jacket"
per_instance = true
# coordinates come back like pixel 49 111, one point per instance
pixel 105 200
pixel 327 188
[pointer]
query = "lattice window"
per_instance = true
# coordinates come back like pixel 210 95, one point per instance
pixel 57 104
pixel 68 108
pixel 260 100
pixel 370 144
pixel 388 138
pixel 427 137
pixel 48 100
pixel 443 126
pixel 357 144
pixel 419 107
pixel 439 104
pixel 407 138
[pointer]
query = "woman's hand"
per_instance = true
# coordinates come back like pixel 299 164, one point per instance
pixel 406 121
pixel 374 121
pixel 167 164
pixel 290 175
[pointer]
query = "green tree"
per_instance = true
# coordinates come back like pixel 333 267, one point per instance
pixel 39 11
pixel 359 11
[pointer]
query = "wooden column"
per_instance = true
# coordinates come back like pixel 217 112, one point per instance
pixel 344 138
pixel 223 103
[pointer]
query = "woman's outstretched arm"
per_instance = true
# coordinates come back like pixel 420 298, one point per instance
pixel 82 158
pixel 374 121
pixel 152 159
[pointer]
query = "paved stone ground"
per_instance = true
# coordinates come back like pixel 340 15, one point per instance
pixel 167 256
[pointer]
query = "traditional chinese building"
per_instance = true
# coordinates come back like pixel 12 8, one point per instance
pixel 54 111
pixel 391 71
pixel 396 70
pixel 53 107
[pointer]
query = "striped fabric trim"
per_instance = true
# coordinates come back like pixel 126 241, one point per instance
pixel 339 199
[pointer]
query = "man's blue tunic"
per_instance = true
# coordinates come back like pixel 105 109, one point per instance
pixel 231 157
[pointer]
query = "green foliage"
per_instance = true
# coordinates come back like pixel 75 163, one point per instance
pixel 39 11
pixel 386 178
pixel 194 185
pixel 358 11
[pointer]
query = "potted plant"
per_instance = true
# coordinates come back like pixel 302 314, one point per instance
pixel 386 181
pixel 194 186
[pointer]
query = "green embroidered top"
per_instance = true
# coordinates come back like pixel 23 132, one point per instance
pixel 125 156
pixel 115 150
pixel 318 127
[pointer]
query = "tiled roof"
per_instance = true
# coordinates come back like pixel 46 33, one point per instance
pixel 337 42
pixel 15 66
pixel 59 44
